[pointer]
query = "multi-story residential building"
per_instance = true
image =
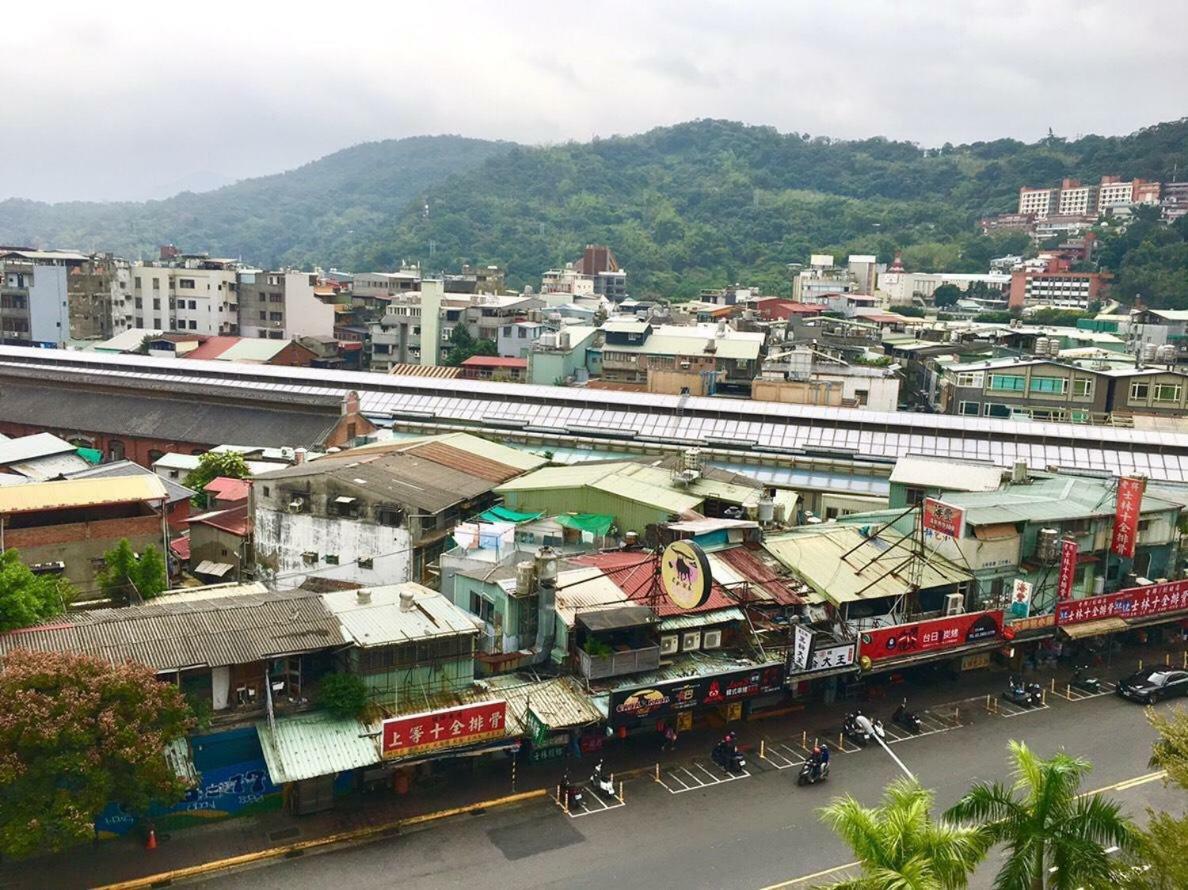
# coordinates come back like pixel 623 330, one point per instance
pixel 599 263
pixel 1174 200
pixel 1055 286
pixel 1037 203
pixel 637 352
pixel 568 281
pixel 386 284
pixel 1076 199
pixel 900 288
pixel 281 305
pixel 203 296
pixel 822 277
pixel 53 296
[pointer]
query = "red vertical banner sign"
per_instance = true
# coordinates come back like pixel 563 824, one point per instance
pixel 1066 575
pixel 1127 508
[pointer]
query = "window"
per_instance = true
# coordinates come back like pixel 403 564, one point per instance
pixel 115 449
pixel 267 491
pixel 1082 388
pixel 970 378
pixel 185 284
pixel 276 316
pixel 1079 416
pixel 263 315
pixel 991 409
pixel 482 607
pixel 156 284
pixel 971 408
pixel 331 559
pixel 366 562
pixel 1007 382
pixel 193 325
pixel 1053 385
pixel 276 298
pixel 155 455
pixel 1140 391
pixel 193 304
pixel 1167 392
pixel 136 282
pixel 389 516
pixel 156 302
pixel 309 558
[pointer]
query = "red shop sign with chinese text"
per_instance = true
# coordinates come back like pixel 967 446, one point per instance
pixel 1133 602
pixel 434 730
pixel 928 636
pixel 943 519
pixel 1127 508
pixel 1066 574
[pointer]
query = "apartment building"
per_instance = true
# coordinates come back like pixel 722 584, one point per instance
pixel 204 297
pixel 1037 203
pixel 1076 199
pixel 600 264
pixel 51 297
pixel 1073 199
pixel 282 305
pixel 1055 286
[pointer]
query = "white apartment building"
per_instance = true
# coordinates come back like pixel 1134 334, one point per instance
pixel 1078 201
pixel 150 297
pixel 204 301
pixel 901 288
pixel 1036 201
pixel 282 306
pixel 1115 194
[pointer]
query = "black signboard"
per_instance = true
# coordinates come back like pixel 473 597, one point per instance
pixel 627 706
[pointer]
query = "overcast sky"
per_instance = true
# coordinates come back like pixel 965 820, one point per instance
pixel 131 100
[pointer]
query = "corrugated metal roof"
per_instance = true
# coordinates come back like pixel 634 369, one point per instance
pixel 51 466
pixel 585 588
pixel 424 371
pixel 685 666
pixel 559 701
pixel 1051 499
pixel 304 746
pixel 380 621
pixel 643 492
pixel 173 635
pixel 816 556
pixel 123 468
pixel 947 473
pixel 691 620
pixel 30 447
pixel 458 459
pixel 80 493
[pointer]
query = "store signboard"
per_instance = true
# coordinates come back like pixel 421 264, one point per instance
pixel 802 649
pixel 1021 598
pixel 1133 602
pixel 943 519
pixel 1066 574
pixel 437 730
pixel 929 636
pixel 682 695
pixel 1127 507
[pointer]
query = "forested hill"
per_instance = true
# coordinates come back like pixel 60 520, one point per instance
pixel 316 214
pixel 700 204
pixel 709 202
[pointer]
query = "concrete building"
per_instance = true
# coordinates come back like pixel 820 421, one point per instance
pixel 634 350
pixel 900 288
pixel 1037 203
pixel 281 306
pixel 599 263
pixel 34 300
pixel 1056 287
pixel 822 278
pixel 561 357
pixel 64 527
pixel 378 514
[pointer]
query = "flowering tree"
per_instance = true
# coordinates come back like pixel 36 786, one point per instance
pixel 77 733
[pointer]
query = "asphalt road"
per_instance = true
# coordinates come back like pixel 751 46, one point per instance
pixel 754 832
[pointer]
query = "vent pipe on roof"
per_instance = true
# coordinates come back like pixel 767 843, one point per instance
pixel 406 600
pixel 363 595
pixel 546 616
pixel 298 455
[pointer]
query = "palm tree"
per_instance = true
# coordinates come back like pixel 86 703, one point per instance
pixel 898 844
pixel 1056 837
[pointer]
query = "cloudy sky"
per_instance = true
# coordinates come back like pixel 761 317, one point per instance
pixel 139 100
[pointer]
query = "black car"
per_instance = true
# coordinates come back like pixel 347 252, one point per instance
pixel 1150 685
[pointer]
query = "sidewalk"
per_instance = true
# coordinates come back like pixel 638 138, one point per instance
pixel 126 859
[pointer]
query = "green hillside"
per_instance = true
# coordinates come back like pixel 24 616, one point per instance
pixel 315 214
pixel 712 202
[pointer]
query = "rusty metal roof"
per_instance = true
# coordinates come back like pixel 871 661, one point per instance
pixel 89 492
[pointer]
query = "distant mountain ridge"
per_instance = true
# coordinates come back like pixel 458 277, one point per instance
pixel 695 205
pixel 316 213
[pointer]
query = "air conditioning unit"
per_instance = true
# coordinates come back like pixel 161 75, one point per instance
pixel 669 645
pixel 711 639
pixel 691 641
pixel 954 604
pixel 296 505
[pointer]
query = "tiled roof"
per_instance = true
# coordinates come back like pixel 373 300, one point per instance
pixel 227 489
pixel 233 520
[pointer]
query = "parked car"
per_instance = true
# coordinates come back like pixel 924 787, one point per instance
pixel 1150 685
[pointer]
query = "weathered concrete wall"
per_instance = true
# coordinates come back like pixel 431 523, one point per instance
pixel 283 539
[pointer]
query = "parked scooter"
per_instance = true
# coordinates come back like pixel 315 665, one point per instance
pixel 602 783
pixel 909 720
pixel 812 772
pixel 1082 682
pixel 1029 695
pixel 727 756
pixel 573 793
pixel 860 729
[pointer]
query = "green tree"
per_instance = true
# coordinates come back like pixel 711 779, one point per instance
pixel 127 576
pixel 1161 860
pixel 211 466
pixel 900 846
pixel 79 733
pixel 343 695
pixel 463 346
pixel 27 599
pixel 946 295
pixel 1055 836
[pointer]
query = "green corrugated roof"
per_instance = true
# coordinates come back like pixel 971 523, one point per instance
pixel 307 745
pixel 816 557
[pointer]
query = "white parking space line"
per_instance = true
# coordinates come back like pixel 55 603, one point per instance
pixel 601 805
pixel 783 756
pixel 1071 693
pixel 678 780
pixel 1010 709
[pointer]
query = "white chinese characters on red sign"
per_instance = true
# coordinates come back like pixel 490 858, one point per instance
pixel 1134 602
pixel 943 519
pixel 1126 515
pixel 465 725
pixel 1066 575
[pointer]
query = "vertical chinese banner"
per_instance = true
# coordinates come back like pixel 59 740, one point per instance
pixel 1126 515
pixel 1066 575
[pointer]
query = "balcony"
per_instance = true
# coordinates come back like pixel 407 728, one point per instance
pixel 626 661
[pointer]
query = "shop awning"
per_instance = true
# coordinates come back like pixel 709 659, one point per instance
pixel 619 618
pixel 1161 618
pixel 693 620
pixel 1093 628
pixel 305 746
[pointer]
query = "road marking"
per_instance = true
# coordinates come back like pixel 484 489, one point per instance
pixel 1124 785
pixel 691 781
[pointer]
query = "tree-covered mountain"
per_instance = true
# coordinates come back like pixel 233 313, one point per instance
pixel 709 202
pixel 316 214
pixel 696 205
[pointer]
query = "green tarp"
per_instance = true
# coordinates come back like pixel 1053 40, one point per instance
pixel 502 514
pixel 594 523
pixel 90 455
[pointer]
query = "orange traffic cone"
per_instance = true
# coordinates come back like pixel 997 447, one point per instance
pixel 151 843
